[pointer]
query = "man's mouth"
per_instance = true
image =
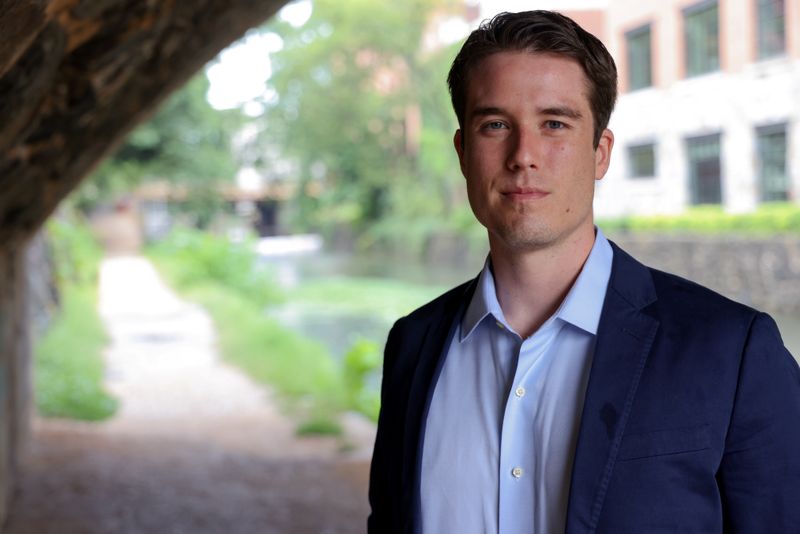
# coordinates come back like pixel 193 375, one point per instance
pixel 524 193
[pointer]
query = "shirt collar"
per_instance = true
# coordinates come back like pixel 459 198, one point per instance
pixel 581 307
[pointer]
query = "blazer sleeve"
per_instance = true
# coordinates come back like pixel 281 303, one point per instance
pixel 379 492
pixel 759 475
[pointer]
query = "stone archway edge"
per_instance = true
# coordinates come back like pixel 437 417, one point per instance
pixel 75 77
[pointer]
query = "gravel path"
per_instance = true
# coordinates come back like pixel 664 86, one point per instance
pixel 196 446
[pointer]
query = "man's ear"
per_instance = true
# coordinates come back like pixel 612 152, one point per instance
pixel 602 154
pixel 458 143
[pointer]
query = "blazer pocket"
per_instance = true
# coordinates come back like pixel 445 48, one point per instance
pixel 663 442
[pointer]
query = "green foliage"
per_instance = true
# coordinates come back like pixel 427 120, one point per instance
pixel 192 257
pixel 375 296
pixel 767 219
pixel 68 364
pixel 76 254
pixel 362 360
pixel 68 361
pixel 300 370
pixel 226 280
pixel 186 142
pixel 349 84
pixel 320 427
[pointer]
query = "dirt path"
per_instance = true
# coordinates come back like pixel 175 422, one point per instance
pixel 196 446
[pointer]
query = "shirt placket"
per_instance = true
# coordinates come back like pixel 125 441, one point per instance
pixel 518 441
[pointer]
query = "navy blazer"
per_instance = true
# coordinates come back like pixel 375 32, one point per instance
pixel 691 421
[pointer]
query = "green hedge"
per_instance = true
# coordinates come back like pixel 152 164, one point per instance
pixel 767 219
pixel 68 359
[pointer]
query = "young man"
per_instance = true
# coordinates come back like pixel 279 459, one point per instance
pixel 570 388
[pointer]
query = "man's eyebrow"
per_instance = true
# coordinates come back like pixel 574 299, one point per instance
pixel 555 111
pixel 487 110
pixel 561 111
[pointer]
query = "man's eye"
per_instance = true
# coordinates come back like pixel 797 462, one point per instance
pixel 494 125
pixel 554 125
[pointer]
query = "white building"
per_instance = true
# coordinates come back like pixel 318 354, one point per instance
pixel 709 106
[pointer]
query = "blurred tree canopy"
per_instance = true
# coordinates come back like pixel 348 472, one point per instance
pixel 361 109
pixel 187 142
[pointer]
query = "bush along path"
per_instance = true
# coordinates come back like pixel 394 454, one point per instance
pixel 196 446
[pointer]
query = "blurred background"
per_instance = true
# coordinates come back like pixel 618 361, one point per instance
pixel 303 191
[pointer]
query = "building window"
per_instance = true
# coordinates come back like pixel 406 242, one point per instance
pixel 705 169
pixel 771 28
pixel 642 161
pixel 773 178
pixel 639 58
pixel 701 26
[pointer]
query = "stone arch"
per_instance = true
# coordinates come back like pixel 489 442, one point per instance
pixel 75 77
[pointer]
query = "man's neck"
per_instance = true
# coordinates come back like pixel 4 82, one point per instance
pixel 531 284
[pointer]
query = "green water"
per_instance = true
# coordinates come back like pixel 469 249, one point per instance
pixel 339 299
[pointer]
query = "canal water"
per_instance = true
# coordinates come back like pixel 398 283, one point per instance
pixel 338 328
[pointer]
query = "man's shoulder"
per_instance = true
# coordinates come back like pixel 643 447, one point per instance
pixel 675 291
pixel 446 304
pixel 697 301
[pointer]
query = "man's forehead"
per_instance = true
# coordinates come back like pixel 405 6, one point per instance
pixel 481 87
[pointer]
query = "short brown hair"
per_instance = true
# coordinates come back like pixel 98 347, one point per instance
pixel 545 32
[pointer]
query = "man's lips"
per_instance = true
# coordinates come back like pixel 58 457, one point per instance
pixel 524 193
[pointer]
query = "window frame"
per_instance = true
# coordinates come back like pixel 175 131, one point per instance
pixel 761 132
pixel 697 65
pixel 633 173
pixel 763 40
pixel 695 190
pixel 639 31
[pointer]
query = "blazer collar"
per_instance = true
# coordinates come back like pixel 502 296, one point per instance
pixel 624 339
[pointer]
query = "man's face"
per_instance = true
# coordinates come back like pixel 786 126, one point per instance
pixel 527 152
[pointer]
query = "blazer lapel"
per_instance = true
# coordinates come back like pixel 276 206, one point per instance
pixel 624 339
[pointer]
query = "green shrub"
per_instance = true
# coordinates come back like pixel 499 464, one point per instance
pixel 361 361
pixel 68 361
pixel 76 254
pixel 68 365
pixel 767 219
pixel 192 257
pixel 225 279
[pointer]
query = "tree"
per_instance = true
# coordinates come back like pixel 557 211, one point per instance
pixel 361 107
pixel 186 143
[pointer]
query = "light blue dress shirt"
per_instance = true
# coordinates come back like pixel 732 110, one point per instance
pixel 505 412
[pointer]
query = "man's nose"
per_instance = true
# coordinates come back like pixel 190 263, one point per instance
pixel 524 150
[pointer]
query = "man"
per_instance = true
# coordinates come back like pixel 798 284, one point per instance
pixel 570 388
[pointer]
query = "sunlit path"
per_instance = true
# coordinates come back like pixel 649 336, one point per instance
pixel 163 366
pixel 195 447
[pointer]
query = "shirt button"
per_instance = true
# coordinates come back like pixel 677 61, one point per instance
pixel 516 472
pixel 520 392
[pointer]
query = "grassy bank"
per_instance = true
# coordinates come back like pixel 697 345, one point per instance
pixel 68 361
pixel 374 296
pixel 226 280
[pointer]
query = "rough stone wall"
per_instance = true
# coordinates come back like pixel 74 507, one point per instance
pixel 75 77
pixel 14 365
pixel 761 272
